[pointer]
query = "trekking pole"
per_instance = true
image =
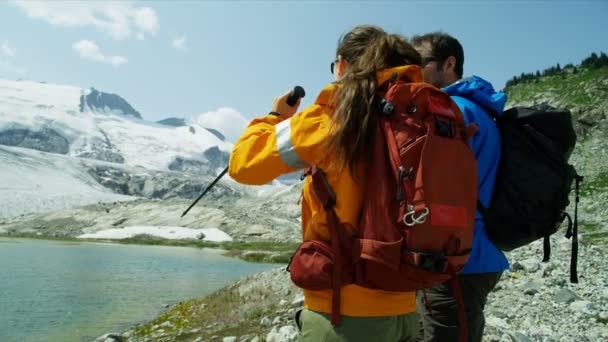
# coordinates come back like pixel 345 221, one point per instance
pixel 296 94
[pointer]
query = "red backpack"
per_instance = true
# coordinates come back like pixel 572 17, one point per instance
pixel 420 198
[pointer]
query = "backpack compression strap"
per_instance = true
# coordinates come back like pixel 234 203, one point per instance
pixel 327 198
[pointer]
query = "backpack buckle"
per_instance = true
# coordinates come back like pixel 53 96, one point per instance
pixel 433 262
pixel 410 219
pixel 443 129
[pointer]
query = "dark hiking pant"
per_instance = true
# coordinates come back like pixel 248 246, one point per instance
pixel 439 310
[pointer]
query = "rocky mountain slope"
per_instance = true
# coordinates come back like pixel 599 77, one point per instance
pixel 91 124
pixel 585 94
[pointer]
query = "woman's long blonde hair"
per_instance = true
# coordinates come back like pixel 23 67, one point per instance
pixel 366 49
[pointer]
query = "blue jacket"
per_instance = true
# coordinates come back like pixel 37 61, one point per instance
pixel 474 96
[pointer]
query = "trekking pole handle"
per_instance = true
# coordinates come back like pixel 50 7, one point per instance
pixel 297 93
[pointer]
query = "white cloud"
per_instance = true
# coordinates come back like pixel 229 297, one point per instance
pixel 226 120
pixel 10 68
pixel 180 43
pixel 145 19
pixel 89 50
pixel 120 20
pixel 6 49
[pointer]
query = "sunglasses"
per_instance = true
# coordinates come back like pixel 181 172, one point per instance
pixel 331 66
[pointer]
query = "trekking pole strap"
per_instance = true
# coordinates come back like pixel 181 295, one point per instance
pixel 546 248
pixel 574 256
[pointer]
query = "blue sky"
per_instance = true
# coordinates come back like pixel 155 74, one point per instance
pixel 186 58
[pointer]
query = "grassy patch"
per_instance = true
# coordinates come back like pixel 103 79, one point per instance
pixel 593 233
pixel 262 256
pixel 223 313
pixel 598 183
pixel 564 87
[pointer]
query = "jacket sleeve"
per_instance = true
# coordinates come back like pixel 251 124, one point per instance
pixel 272 146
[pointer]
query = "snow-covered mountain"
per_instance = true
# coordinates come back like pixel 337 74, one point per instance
pixel 92 124
pixel 62 147
pixel 33 181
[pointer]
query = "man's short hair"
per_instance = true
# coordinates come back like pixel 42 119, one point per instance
pixel 443 46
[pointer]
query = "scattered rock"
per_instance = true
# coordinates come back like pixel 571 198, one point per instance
pixel 286 333
pixel 582 306
pixel 119 222
pixel 229 339
pixel 166 324
pixel 516 266
pixel 532 288
pixel 518 337
pixel 265 321
pixel 497 322
pixel 498 314
pixel 276 320
pixel 603 317
pixel 530 265
pixel 548 268
pixel 298 301
pixel 565 296
pixel 110 337
pixel 498 287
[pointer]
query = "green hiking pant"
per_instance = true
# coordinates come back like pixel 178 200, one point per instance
pixel 316 327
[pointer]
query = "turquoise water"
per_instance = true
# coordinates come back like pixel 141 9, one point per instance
pixel 71 291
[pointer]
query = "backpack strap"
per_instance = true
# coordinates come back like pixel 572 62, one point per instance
pixel 327 198
pixel 463 331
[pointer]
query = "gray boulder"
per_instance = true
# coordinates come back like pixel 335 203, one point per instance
pixel 565 296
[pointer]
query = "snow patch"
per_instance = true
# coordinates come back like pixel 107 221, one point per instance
pixel 171 233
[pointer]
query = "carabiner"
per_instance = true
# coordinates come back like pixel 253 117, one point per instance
pixel 410 220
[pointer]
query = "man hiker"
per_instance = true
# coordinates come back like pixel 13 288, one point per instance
pixel 442 63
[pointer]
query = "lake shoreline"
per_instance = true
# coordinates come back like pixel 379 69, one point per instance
pixel 263 252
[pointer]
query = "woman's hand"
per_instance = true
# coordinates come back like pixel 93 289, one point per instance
pixel 279 105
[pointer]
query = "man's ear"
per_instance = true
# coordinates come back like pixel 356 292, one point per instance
pixel 449 64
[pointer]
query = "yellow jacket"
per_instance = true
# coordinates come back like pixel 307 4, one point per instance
pixel 272 146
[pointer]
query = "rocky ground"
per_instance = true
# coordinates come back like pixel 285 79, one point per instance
pixel 534 301
pixel 247 217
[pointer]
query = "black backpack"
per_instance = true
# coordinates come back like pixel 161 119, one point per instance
pixel 534 180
